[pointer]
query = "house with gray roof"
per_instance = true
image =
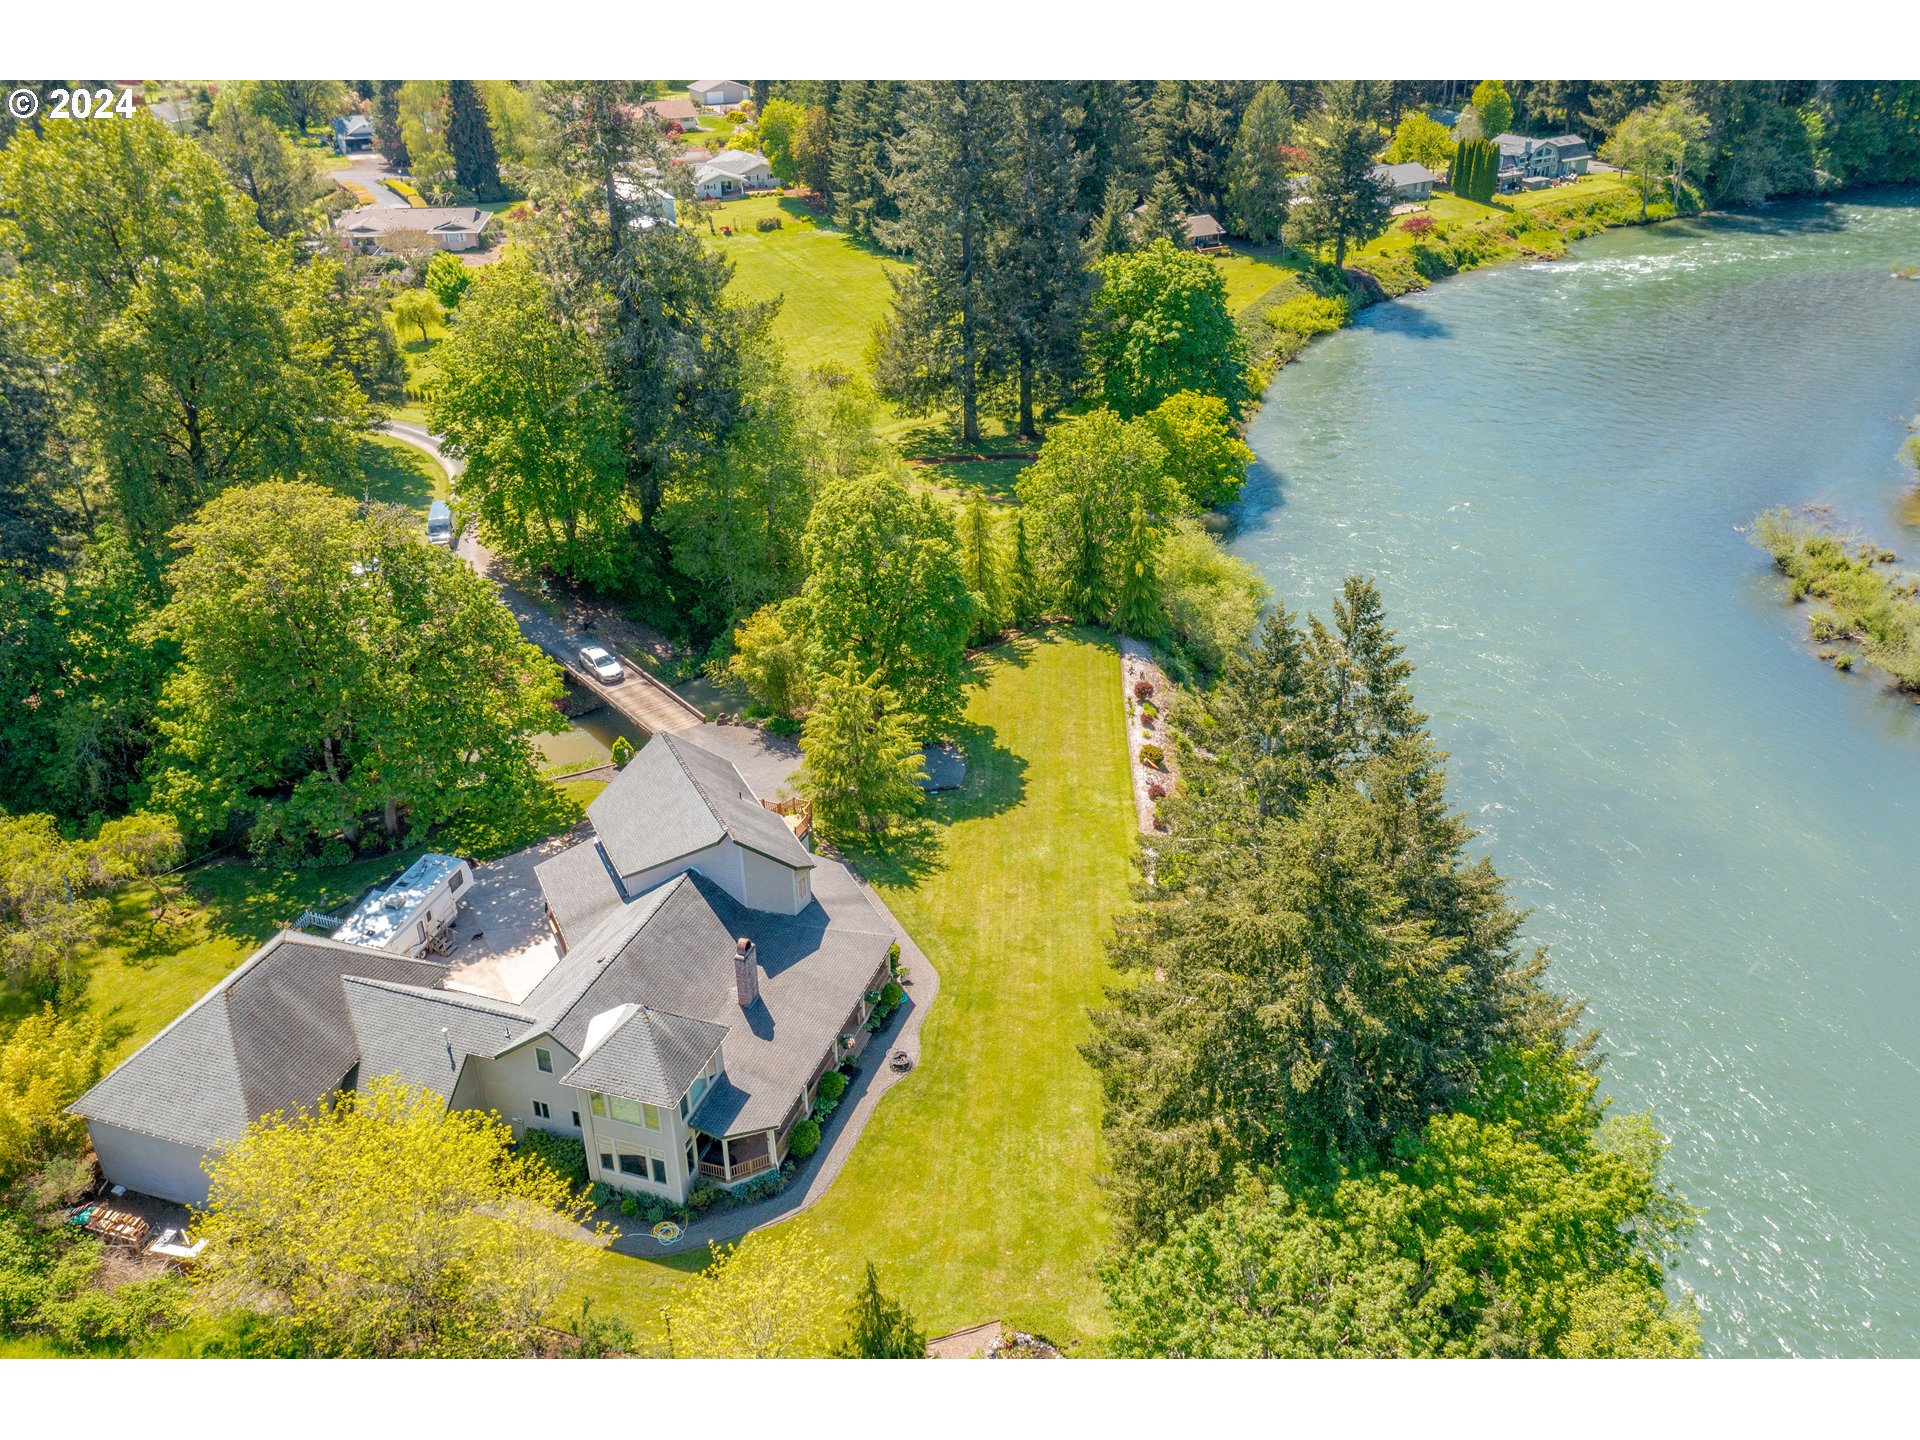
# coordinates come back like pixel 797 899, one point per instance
pixel 707 971
pixel 451 227
pixel 731 173
pixel 1522 156
pixel 1409 181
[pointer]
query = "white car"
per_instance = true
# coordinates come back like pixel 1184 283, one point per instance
pixel 601 663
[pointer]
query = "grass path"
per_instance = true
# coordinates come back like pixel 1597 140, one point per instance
pixel 972 1189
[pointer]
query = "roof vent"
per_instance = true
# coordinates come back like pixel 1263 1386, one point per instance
pixel 746 973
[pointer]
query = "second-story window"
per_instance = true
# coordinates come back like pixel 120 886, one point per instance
pixel 543 1058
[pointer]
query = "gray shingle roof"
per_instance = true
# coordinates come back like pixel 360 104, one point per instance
pixel 580 888
pixel 382 219
pixel 675 799
pixel 400 1030
pixel 276 1034
pixel 650 1055
pixel 1408 173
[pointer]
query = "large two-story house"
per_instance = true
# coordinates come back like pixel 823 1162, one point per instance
pixel 1551 158
pixel 707 969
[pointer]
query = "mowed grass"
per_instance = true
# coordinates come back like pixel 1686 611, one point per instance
pixel 972 1189
pixel 833 287
pixel 394 473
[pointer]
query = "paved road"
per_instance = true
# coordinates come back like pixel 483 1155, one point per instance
pixel 642 699
pixel 371 170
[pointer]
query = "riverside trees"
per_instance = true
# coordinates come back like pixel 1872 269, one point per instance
pixel 1325 993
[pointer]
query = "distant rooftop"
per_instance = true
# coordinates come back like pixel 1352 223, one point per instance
pixel 385 913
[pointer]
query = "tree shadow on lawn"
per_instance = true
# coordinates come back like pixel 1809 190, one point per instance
pixel 397 475
pixel 996 781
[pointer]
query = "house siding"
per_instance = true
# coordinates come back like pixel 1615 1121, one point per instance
pixel 161 1168
pixel 511 1083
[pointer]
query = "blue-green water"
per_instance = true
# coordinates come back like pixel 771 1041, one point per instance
pixel 1545 466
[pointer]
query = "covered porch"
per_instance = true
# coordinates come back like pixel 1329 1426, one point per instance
pixel 733 1158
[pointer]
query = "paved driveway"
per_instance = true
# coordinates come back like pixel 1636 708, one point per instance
pixel 370 169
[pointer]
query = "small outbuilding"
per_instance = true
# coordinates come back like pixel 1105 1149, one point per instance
pixel 717 94
pixel 1205 233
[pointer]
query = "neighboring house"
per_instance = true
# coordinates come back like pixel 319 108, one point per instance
pixel 718 93
pixel 1442 116
pixel 1409 181
pixel 450 227
pixel 1558 155
pixel 1205 233
pixel 652 204
pixel 352 132
pixel 731 172
pixel 674 110
pixel 678 1030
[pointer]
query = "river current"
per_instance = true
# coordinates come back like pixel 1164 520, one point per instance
pixel 1548 468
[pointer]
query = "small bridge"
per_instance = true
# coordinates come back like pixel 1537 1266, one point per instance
pixel 642 699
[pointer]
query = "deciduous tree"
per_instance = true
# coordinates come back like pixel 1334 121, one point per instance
pixel 1419 139
pixel 47 1061
pixel 1160 325
pixel 387 1225
pixel 768 1297
pixel 1080 496
pixel 1206 460
pixel 1494 108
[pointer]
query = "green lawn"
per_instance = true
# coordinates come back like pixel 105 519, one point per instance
pixel 835 286
pixel 396 473
pixel 972 1189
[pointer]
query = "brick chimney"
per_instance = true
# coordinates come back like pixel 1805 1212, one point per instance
pixel 746 973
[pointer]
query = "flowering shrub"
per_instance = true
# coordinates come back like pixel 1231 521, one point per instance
pixel 1417 225
pixel 1142 689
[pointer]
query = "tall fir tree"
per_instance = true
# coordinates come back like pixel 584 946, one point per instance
pixel 1345 205
pixel 1191 125
pixel 476 163
pixel 1023 581
pixel 865 120
pixel 1107 135
pixel 1257 194
pixel 1163 217
pixel 1044 286
pixel 1113 232
pixel 982 560
pixel 386 124
pixel 944 342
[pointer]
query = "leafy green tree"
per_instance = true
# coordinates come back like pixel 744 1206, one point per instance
pixel 514 122
pixel 476 163
pixel 769 1297
pixel 1039 268
pixel 862 762
pixel 47 1061
pixel 770 657
pixel 520 398
pixel 335 672
pixel 387 1224
pixel 884 590
pixel 879 1328
pixel 284 183
pixel 47 916
pixel 1206 459
pixel 1160 325
pixel 299 103
pixel 1257 190
pixel 1494 107
pixel 734 516
pixel 778 124
pixel 813 150
pixel 1526 1225
pixel 1211 599
pixel 1081 495
pixel 949 186
pixel 423 133
pixel 416 310
pixel 1419 139
pixel 143 276
pixel 1655 144
pixel 34 524
pixel 1344 205
pixel 447 279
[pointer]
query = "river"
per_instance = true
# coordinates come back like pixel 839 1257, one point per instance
pixel 1545 466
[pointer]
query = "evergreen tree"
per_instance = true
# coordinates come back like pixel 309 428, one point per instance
pixel 1330 969
pixel 865 120
pixel 1107 137
pixel 1191 125
pixel 1136 609
pixel 1476 170
pixel 386 125
pixel 1345 205
pixel 879 1328
pixel 1163 217
pixel 1023 585
pixel 1257 194
pixel 983 568
pixel 476 164
pixel 1042 283
pixel 1113 230
pixel 944 342
pixel 862 762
